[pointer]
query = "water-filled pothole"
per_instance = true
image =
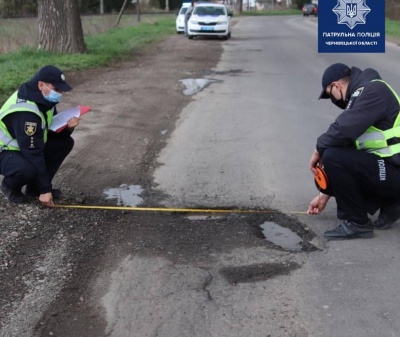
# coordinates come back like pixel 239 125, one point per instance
pixel 194 85
pixel 126 195
pixel 281 236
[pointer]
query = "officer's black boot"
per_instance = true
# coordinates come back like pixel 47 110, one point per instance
pixel 14 196
pixel 350 230
pixel 387 216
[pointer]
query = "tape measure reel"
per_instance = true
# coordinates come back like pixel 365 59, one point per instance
pixel 321 179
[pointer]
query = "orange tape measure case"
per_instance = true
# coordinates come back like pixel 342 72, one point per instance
pixel 321 179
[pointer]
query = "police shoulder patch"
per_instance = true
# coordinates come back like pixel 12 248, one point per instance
pixel 358 92
pixel 30 128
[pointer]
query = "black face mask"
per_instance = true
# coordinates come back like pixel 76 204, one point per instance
pixel 340 103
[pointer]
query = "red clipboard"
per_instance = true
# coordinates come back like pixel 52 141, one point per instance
pixel 60 120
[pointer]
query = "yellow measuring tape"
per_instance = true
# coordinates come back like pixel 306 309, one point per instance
pixel 181 210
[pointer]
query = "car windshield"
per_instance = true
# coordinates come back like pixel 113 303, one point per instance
pixel 183 10
pixel 209 10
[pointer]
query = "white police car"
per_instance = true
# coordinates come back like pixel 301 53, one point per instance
pixel 210 19
pixel 180 19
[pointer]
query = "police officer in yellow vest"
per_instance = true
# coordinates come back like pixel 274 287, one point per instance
pixel 30 154
pixel 360 152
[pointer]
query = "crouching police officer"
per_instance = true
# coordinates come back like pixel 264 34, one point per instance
pixel 30 153
pixel 360 152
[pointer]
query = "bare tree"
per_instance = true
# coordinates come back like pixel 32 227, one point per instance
pixel 60 26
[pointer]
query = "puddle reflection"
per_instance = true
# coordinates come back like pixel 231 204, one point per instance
pixel 126 195
pixel 281 236
pixel 194 85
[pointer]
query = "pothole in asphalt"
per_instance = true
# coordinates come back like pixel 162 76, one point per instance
pixel 281 236
pixel 195 85
pixel 257 272
pixel 126 195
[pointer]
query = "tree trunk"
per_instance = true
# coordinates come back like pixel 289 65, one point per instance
pixel 60 26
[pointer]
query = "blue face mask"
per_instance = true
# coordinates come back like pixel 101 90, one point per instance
pixel 53 97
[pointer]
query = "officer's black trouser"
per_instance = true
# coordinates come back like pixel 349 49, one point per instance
pixel 361 182
pixel 18 171
pixel 186 25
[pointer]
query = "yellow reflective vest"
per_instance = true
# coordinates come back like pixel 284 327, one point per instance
pixel 375 140
pixel 7 142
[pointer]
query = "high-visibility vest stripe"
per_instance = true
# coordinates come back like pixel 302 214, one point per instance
pixel 375 140
pixel 6 140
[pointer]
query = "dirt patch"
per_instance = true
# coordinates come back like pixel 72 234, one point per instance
pixel 49 257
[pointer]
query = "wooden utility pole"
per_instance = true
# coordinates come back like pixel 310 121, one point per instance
pixel 138 10
pixel 120 13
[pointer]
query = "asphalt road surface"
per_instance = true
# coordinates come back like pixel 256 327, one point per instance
pixel 200 124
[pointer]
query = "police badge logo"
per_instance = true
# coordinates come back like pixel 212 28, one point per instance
pixel 351 12
pixel 30 128
pixel 358 92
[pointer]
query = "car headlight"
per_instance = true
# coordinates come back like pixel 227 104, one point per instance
pixel 193 21
pixel 222 22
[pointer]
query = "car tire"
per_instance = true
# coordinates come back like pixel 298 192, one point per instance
pixel 190 37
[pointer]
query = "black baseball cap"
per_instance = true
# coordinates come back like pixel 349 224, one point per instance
pixel 333 73
pixel 54 76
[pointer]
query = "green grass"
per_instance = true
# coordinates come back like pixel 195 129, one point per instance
pixel 393 28
pixel 115 44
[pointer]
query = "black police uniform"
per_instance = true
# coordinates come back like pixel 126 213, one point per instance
pixel 361 182
pixel 37 162
pixel 188 14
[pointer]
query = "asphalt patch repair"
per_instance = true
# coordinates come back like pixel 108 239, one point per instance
pixel 257 272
